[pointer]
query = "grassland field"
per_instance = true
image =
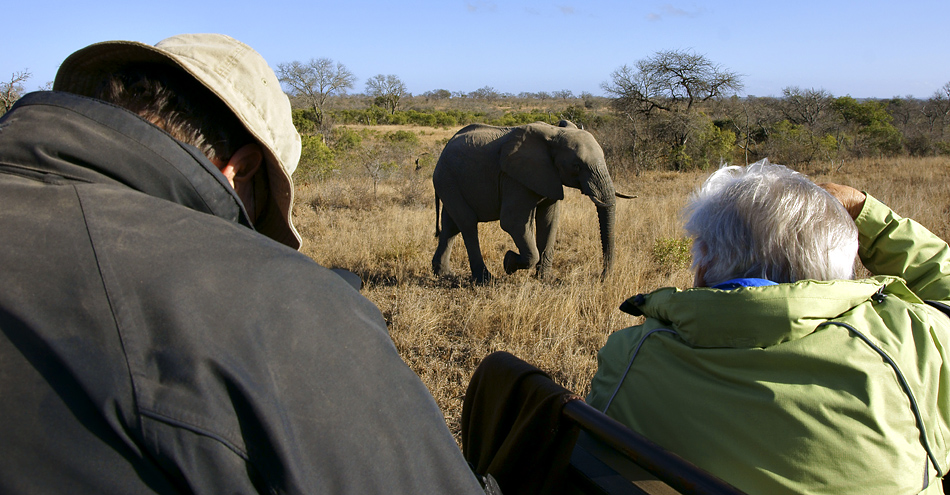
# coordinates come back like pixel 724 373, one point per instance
pixel 443 327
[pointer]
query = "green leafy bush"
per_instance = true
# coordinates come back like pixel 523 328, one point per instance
pixel 345 139
pixel 304 120
pixel 317 160
pixel 511 119
pixel 672 254
pixel 407 137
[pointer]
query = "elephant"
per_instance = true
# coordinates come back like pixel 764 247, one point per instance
pixel 517 175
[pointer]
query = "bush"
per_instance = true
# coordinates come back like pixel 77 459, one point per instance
pixel 871 123
pixel 713 146
pixel 884 138
pixel 792 144
pixel 445 120
pixel 420 118
pixel 373 115
pixel 344 139
pixel 305 120
pixel 398 118
pixel 672 254
pixel 407 137
pixel 511 119
pixel 317 160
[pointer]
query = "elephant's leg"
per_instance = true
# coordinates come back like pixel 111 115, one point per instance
pixel 546 221
pixel 447 237
pixel 517 214
pixel 480 273
pixel 458 216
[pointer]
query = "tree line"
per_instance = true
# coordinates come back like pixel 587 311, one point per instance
pixel 673 110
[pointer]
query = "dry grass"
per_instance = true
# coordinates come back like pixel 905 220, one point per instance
pixel 427 135
pixel 444 327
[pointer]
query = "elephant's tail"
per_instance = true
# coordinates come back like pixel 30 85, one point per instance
pixel 438 221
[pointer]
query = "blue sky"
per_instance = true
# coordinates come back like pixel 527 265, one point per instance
pixel 870 48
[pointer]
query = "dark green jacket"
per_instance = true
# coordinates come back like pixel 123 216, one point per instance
pixel 151 342
pixel 839 387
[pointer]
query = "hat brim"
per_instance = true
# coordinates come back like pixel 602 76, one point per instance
pixel 82 72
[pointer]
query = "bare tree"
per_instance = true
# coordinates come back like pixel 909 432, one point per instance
pixel 387 89
pixel 936 111
pixel 486 93
pixel 941 100
pixel 745 118
pixel 316 81
pixel 944 90
pixel 804 106
pixel 438 94
pixel 671 80
pixel 379 162
pixel 658 94
pixel 11 91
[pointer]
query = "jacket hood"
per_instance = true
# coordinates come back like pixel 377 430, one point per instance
pixel 88 140
pixel 758 316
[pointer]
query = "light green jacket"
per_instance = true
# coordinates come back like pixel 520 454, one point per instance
pixel 812 387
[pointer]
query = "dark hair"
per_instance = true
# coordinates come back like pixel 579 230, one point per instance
pixel 173 100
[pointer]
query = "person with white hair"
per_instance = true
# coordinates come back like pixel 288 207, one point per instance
pixel 778 371
pixel 159 330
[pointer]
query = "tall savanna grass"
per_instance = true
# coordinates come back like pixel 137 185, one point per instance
pixel 443 327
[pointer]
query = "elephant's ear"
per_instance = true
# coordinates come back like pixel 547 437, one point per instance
pixel 527 159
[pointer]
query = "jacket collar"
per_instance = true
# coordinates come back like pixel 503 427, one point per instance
pixel 87 140
pixel 757 316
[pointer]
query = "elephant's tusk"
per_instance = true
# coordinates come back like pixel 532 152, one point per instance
pixel 624 196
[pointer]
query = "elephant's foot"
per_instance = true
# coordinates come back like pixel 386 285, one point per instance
pixel 514 262
pixel 440 269
pixel 544 268
pixel 482 277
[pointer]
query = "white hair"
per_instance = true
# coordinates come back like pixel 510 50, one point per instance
pixel 768 221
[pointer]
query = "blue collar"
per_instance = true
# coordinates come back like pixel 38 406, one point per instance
pixel 743 282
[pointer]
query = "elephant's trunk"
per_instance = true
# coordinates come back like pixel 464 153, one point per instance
pixel 607 216
pixel 601 191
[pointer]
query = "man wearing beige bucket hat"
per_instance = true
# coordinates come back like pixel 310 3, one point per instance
pixel 150 339
pixel 239 78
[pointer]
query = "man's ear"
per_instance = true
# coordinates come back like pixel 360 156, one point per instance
pixel 244 163
pixel 240 171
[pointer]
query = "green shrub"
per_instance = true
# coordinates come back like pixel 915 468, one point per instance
pixel 421 118
pixel 714 146
pixel 445 120
pixel 345 139
pixel 407 137
pixel 511 119
pixel 304 120
pixel 398 118
pixel 317 160
pixel 672 254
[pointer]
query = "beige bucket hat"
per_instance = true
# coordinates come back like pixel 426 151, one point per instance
pixel 235 73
